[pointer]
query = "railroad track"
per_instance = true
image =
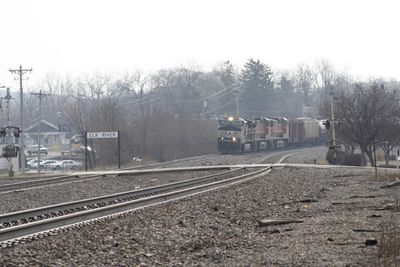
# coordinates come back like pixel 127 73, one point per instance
pixel 82 177
pixel 172 162
pixel 24 225
pixel 46 181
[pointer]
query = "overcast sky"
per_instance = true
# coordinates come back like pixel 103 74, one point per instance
pixel 75 36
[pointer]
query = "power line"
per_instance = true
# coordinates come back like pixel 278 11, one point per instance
pixel 20 73
pixel 220 107
pixel 137 100
pixel 222 92
pixel 136 103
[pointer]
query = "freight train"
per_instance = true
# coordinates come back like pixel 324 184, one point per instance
pixel 237 135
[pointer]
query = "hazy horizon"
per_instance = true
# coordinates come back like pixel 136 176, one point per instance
pixel 82 37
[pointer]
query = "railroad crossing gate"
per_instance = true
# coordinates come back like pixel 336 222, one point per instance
pixel 99 135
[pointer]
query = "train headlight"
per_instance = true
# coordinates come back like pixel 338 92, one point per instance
pixel 234 139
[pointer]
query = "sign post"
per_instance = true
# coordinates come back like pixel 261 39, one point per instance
pixel 102 135
pixel 119 149
pixel 85 151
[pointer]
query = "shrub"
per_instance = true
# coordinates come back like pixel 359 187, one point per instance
pixel 344 159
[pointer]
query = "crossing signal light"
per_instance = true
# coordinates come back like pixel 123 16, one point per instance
pixel 327 124
pixel 2 132
pixel 17 132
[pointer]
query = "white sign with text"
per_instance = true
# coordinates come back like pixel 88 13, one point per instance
pixel 91 135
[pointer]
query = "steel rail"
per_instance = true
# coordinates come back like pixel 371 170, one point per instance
pixel 84 176
pixel 53 210
pixel 25 216
pixel 41 181
pixel 169 162
pixel 93 175
pixel 127 171
pixel 73 218
pixel 106 205
pixel 46 181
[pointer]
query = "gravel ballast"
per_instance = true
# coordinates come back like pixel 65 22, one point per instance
pixel 336 212
pixel 58 193
pixel 69 191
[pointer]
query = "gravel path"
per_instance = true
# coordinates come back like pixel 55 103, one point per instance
pixel 221 228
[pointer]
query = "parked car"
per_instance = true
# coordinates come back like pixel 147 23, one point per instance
pixel 46 164
pixel 33 163
pixel 33 149
pixel 63 164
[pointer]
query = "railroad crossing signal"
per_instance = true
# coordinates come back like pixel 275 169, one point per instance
pixel 327 124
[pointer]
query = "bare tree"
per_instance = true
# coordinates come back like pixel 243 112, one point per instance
pixel 94 86
pixel 228 75
pixel 182 90
pixel 304 79
pixel 390 138
pixel 366 111
pixel 324 78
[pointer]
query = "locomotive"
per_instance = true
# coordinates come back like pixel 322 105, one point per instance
pixel 237 135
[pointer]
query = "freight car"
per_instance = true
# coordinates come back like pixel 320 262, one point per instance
pixel 304 131
pixel 236 135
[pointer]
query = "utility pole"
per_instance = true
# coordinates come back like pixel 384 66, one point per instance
pixel 40 95
pixel 20 73
pixel 60 126
pixel 333 128
pixel 236 92
pixel 8 98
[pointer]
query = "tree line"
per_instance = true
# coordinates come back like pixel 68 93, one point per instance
pixel 172 113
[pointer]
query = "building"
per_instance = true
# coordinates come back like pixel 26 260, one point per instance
pixel 50 134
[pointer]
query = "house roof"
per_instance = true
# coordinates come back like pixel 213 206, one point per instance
pixel 45 126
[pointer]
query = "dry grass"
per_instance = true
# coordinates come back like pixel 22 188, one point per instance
pixel 388 253
pixel 389 244
pixel 384 176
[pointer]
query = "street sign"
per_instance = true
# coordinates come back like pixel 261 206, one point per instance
pixel 92 135
pixel 99 135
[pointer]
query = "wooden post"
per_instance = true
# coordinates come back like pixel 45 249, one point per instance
pixel 119 150
pixel 85 151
